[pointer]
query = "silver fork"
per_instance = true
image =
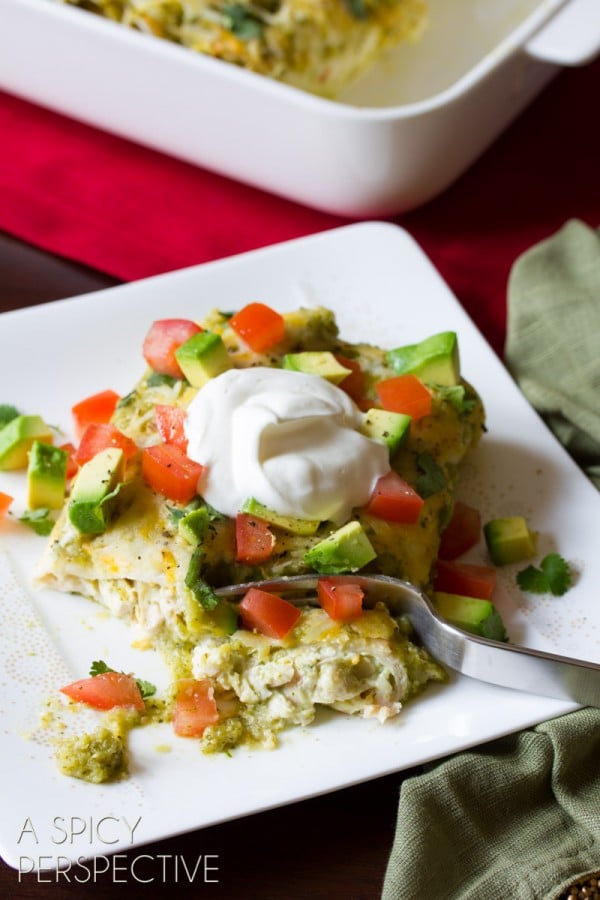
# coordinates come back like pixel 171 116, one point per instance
pixel 505 664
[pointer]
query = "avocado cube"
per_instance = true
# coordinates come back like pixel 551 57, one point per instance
pixel 317 362
pixel 17 437
pixel 390 428
pixel 434 360
pixel 286 523
pixel 346 550
pixel 46 476
pixel 509 540
pixel 192 527
pixel 471 614
pixel 95 489
pixel 225 616
pixel 202 357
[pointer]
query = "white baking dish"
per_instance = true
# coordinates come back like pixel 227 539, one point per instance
pixel 392 142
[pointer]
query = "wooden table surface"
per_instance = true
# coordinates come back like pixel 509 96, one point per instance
pixel 335 846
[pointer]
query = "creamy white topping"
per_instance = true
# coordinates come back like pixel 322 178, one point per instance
pixel 288 439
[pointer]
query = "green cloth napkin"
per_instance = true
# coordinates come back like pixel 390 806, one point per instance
pixel 553 337
pixel 519 818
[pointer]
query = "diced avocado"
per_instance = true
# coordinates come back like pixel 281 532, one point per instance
pixel 17 437
pixel 317 362
pixel 434 360
pixel 192 527
pixel 471 614
pixel 390 428
pixel 286 523
pixel 225 616
pixel 202 357
pixel 95 489
pixel 509 540
pixel 346 550
pixel 46 476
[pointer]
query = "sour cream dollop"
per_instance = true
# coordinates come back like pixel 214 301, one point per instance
pixel 286 438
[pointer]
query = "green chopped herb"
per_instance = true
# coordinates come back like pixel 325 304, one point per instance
pixel 431 478
pixel 155 379
pixel 493 627
pixel 178 512
pixel 7 413
pixel 38 520
pixel 201 591
pixel 457 396
pixel 553 577
pixel 99 667
pixel 357 8
pixel 242 22
pixel 127 400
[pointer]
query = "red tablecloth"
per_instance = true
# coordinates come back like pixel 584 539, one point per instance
pixel 132 212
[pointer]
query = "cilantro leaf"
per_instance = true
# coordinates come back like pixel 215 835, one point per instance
pixel 241 21
pixel 7 413
pixel 38 520
pixel 357 8
pixel 99 667
pixel 432 478
pixel 457 396
pixel 156 379
pixel 493 627
pixel 147 689
pixel 553 576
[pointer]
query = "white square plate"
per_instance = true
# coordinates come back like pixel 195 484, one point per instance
pixel 383 290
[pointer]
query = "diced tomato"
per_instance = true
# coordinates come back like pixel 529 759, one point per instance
pixel 465 579
pixel 97 437
pixel 353 384
pixel 268 613
pixel 259 326
pixel 72 464
pixel 106 691
pixel 5 501
pixel 170 472
pixel 161 342
pixel 404 394
pixel 341 601
pixel 195 707
pixel 254 540
pixel 462 532
pixel 97 409
pixel 170 421
pixel 395 500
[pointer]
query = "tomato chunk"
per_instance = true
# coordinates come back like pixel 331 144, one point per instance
pixel 97 408
pixel 466 579
pixel 395 500
pixel 259 326
pixel 342 601
pixel 170 472
pixel 72 464
pixel 5 501
pixel 170 421
pixel 106 691
pixel 195 707
pixel 462 532
pixel 404 394
pixel 354 383
pixel 268 613
pixel 161 342
pixel 100 436
pixel 254 541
